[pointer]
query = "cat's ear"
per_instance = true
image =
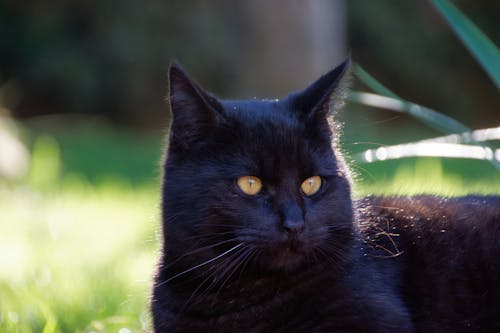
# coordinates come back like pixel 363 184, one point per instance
pixel 324 95
pixel 195 113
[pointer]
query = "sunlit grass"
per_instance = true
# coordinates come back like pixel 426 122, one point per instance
pixel 425 176
pixel 75 256
pixel 76 259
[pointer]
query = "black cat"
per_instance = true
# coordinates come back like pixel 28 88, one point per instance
pixel 260 233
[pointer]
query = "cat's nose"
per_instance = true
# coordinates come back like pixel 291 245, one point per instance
pixel 293 220
pixel 293 226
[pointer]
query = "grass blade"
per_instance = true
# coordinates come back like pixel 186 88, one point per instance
pixel 372 82
pixel 481 47
pixel 432 118
pixel 391 101
pixel 428 116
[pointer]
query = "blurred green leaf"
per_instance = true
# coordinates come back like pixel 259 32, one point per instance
pixel 481 47
pixel 434 119
pixel 390 101
pixel 428 116
pixel 373 83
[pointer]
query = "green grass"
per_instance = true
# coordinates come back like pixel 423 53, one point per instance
pixel 76 259
pixel 97 151
pixel 78 236
pixel 427 176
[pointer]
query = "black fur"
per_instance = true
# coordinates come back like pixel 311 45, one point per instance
pixel 229 263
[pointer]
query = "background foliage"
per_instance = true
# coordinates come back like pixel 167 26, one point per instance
pixel 111 57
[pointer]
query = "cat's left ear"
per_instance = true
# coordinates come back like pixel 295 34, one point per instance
pixel 195 113
pixel 324 95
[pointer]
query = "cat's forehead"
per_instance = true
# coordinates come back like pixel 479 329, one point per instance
pixel 269 122
pixel 275 140
pixel 256 109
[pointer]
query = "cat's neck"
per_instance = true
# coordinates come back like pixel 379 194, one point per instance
pixel 257 290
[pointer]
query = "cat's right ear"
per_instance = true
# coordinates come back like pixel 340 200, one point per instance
pixel 194 112
pixel 323 96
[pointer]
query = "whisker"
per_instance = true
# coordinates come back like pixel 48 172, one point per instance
pixel 246 261
pixel 210 246
pixel 210 276
pixel 209 235
pixel 216 270
pixel 231 270
pixel 201 249
pixel 234 267
pixel 332 253
pixel 202 264
pixel 232 226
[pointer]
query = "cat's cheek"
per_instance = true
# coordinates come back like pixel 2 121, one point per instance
pixel 256 217
pixel 317 229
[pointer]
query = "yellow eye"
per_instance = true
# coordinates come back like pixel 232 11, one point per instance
pixel 250 185
pixel 311 185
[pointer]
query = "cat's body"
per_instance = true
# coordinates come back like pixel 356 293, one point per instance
pixel 450 251
pixel 285 258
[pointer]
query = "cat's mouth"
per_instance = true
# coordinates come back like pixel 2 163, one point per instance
pixel 287 255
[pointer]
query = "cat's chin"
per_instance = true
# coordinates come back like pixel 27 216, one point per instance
pixel 285 258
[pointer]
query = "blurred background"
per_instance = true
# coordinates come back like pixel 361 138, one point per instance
pixel 83 119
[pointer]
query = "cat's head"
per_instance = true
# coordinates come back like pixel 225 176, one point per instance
pixel 255 182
